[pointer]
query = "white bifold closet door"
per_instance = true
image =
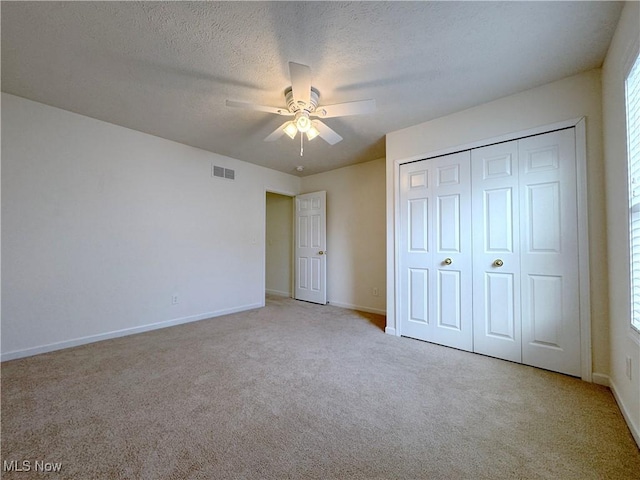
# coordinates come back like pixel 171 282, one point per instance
pixel 525 255
pixel 510 254
pixel 496 251
pixel 550 276
pixel 435 242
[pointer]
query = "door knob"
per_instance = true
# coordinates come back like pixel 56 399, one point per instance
pixel 498 263
pixel 321 252
pixel 447 261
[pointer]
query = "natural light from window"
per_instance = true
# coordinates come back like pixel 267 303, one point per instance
pixel 632 87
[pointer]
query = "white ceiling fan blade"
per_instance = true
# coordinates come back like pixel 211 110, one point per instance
pixel 259 108
pixel 326 133
pixel 300 82
pixel 343 109
pixel 276 134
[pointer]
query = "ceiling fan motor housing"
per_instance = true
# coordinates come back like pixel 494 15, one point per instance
pixel 296 107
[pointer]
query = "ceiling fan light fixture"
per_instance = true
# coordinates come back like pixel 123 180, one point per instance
pixel 312 133
pixel 302 121
pixel 291 130
pixel 302 105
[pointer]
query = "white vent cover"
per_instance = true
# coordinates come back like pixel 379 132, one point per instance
pixel 222 172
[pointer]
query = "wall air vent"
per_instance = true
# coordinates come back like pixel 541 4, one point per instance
pixel 222 172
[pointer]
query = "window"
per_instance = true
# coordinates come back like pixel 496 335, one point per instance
pixel 632 87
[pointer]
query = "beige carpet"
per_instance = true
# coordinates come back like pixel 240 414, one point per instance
pixel 301 391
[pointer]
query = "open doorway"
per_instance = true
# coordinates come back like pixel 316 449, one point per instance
pixel 279 245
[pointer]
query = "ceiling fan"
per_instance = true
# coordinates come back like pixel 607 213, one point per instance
pixel 302 104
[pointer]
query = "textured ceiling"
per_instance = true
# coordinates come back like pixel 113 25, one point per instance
pixel 166 68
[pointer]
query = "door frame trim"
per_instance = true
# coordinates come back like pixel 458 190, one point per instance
pixel 393 326
pixel 263 238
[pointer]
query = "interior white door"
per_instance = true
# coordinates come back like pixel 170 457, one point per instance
pixel 416 255
pixel 496 252
pixel 549 252
pixel 435 260
pixel 522 302
pixel 525 258
pixel 310 248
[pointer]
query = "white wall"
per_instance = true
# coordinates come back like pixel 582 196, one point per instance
pixel 355 234
pixel 101 225
pixel 565 99
pixel 624 342
pixel 279 244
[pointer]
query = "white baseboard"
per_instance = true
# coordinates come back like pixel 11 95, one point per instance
pixel 602 379
pixel 277 293
pixel 635 431
pixel 390 331
pixel 358 307
pixel 28 352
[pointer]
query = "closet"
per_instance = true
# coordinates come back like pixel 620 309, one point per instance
pixel 488 251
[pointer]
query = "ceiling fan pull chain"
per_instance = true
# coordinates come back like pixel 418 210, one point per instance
pixel 301 144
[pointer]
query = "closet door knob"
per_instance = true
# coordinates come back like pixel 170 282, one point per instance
pixel 498 263
pixel 447 261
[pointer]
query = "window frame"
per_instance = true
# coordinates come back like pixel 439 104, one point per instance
pixel 633 167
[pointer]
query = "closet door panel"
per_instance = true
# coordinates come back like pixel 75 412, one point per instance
pixel 549 256
pixel 497 228
pixel 496 251
pixel 418 300
pixel 417 224
pixel 435 260
pixel 416 256
pixel 452 279
pixel 500 315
